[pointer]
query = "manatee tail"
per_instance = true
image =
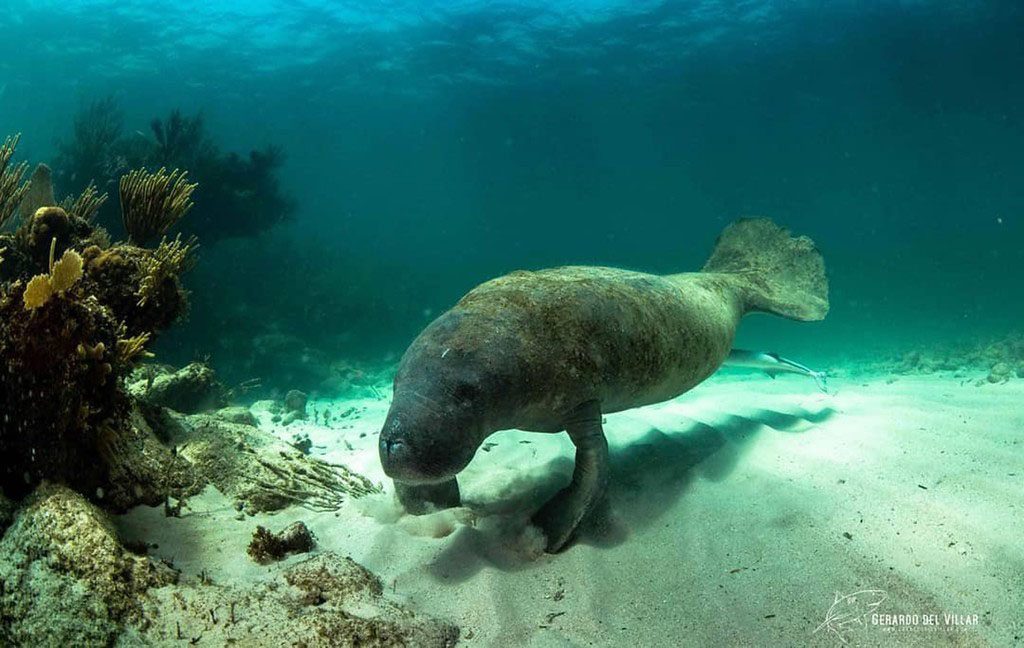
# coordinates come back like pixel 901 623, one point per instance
pixel 778 273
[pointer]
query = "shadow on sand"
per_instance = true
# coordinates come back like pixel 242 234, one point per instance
pixel 657 468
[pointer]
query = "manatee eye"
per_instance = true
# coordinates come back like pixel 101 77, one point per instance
pixel 465 391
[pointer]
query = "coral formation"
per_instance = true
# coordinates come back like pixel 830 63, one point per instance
pixel 86 205
pixel 241 194
pixel 76 314
pixel 12 190
pixel 40 191
pixel 141 286
pixel 71 327
pixel 237 414
pixel 57 355
pixel 62 276
pixel 151 203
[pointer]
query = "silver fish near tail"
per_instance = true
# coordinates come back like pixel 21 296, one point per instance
pixel 772 364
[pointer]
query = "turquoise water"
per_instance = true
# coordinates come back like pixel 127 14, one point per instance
pixel 432 145
pixel 362 165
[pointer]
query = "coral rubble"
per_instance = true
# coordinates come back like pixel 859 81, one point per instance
pixel 261 472
pixel 1000 358
pixel 324 601
pixel 62 550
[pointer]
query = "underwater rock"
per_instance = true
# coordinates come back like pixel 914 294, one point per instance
pixel 142 468
pixel 266 547
pixel 191 389
pixel 237 414
pixel 999 373
pixel 302 443
pixel 295 407
pixel 322 602
pixel 63 551
pixel 295 401
pixel 253 466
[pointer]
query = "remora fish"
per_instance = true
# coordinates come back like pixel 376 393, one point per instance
pixel 772 364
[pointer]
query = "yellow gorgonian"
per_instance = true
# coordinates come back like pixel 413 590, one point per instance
pixel 63 274
pixel 37 292
pixel 66 272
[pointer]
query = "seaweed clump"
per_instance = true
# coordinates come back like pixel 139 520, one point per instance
pixel 266 546
pixel 76 312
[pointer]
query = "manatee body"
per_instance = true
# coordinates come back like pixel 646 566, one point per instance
pixel 555 349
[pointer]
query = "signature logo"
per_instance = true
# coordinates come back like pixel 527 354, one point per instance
pixel 850 611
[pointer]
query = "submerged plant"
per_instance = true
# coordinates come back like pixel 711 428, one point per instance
pixel 241 193
pixel 87 205
pixel 12 189
pixel 169 259
pixel 96 151
pixel 63 274
pixel 72 327
pixel 151 203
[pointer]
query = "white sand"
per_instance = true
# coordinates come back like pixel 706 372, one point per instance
pixel 726 522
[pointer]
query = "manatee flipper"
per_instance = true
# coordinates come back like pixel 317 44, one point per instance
pixel 423 499
pixel 562 514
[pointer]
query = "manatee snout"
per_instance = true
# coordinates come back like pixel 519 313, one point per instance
pixel 414 447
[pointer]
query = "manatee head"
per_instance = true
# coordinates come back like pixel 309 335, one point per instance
pixel 439 416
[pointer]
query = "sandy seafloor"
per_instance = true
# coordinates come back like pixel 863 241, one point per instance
pixel 737 513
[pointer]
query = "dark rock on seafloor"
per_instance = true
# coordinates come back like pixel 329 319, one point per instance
pixel 237 414
pixel 193 388
pixel 295 406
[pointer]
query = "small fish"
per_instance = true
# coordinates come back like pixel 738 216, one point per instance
pixel 772 364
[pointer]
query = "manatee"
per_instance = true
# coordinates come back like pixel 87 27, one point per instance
pixel 553 350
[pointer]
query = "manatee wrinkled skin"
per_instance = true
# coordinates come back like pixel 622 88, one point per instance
pixel 553 350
